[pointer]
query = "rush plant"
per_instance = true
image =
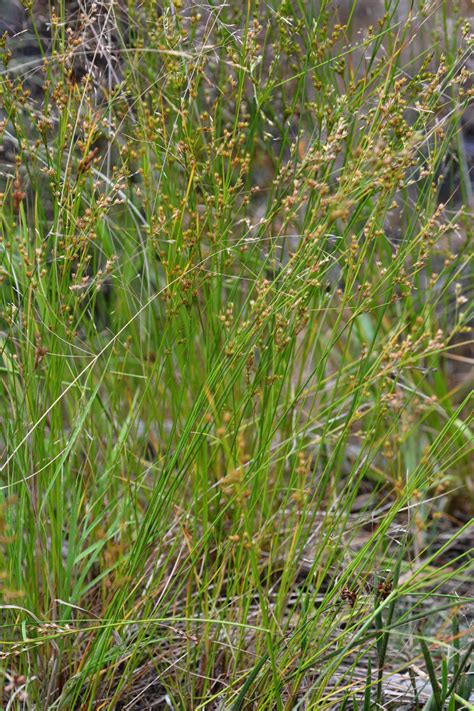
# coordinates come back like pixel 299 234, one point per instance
pixel 235 353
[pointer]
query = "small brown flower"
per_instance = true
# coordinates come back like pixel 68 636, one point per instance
pixel 85 162
pixel 18 194
pixel 384 588
pixel 349 596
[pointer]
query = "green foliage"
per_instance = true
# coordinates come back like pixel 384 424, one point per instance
pixel 234 358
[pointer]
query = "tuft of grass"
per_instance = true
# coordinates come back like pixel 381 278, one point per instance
pixel 235 424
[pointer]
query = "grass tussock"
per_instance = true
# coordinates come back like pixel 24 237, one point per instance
pixel 235 352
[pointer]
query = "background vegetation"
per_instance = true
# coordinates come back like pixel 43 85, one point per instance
pixel 235 355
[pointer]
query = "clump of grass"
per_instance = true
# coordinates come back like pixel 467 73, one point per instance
pixel 231 303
